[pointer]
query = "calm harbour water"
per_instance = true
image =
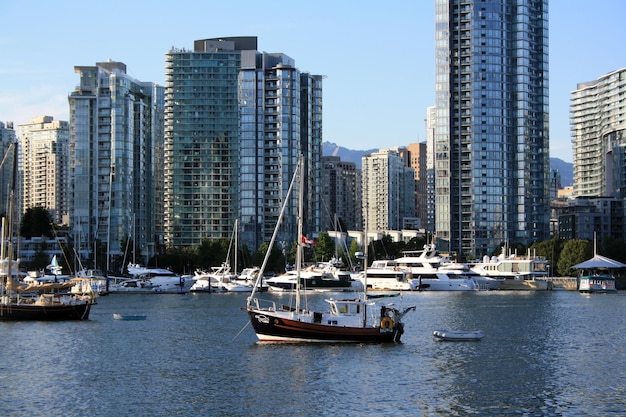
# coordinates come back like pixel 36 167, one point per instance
pixel 556 353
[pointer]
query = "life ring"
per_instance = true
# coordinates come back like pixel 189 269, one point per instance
pixel 386 323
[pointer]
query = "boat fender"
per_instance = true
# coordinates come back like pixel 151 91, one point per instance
pixel 386 323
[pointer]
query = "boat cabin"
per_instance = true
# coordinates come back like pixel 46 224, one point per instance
pixel 345 307
pixel 596 283
pixel 350 312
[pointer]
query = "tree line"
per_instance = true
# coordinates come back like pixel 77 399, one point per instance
pixel 561 254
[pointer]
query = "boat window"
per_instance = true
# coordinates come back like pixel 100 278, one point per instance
pixel 343 308
pixel 333 309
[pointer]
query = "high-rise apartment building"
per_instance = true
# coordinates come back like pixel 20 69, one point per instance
pixel 237 120
pixel 598 126
pixel 388 190
pixel 115 133
pixel 491 128
pixel 417 161
pixel 431 117
pixel 341 195
pixel 7 138
pixel 44 166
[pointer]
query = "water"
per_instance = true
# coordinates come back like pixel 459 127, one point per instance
pixel 544 354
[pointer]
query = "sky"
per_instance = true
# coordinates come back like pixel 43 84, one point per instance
pixel 377 57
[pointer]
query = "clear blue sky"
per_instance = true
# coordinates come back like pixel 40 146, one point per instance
pixel 378 56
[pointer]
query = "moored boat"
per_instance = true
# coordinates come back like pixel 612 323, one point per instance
pixel 594 274
pixel 385 276
pixel 515 272
pixel 427 271
pixel 18 301
pixel 596 283
pixel 458 335
pixel 48 307
pixel 347 320
pixel 223 278
pixel 152 281
pixel 130 317
pixel 35 300
pixel 309 280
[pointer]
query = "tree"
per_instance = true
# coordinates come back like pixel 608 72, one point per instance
pixel 383 248
pixel 325 248
pixel 549 249
pixel 416 243
pixel 574 252
pixel 517 247
pixel 36 222
pixel 211 252
pixel 290 253
pixel 244 258
pixel 40 258
pixel 276 261
pixel 614 249
pixel 354 248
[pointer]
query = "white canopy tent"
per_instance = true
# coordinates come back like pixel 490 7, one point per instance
pixel 599 262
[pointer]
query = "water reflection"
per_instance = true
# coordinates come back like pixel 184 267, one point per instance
pixel 544 353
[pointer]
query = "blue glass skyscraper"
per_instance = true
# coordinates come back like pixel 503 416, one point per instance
pixel 491 126
pixel 236 122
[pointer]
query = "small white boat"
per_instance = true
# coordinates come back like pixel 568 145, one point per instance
pixel 458 335
pixel 117 316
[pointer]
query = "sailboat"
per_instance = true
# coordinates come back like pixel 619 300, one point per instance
pixel 16 300
pixel 222 278
pixel 353 320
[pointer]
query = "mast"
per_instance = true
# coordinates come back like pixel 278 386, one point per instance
pixel 365 250
pixel 111 173
pixel 271 244
pixel 300 234
pixel 236 248
pixel 9 235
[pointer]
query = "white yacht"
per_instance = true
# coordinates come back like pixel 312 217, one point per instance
pixel 385 276
pixel 528 272
pixel 152 280
pixel 220 279
pixel 311 278
pixel 249 274
pixel 432 272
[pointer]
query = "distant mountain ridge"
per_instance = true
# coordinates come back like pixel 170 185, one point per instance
pixel 566 169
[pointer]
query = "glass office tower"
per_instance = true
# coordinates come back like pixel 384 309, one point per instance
pixel 491 127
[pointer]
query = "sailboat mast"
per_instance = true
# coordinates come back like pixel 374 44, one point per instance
pixel 11 213
pixel 300 234
pixel 111 173
pixel 236 247
pixel 273 239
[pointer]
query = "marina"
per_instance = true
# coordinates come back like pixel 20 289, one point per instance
pixel 540 356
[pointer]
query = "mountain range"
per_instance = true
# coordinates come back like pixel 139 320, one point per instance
pixel 566 169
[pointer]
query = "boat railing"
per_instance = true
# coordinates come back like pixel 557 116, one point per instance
pixel 262 304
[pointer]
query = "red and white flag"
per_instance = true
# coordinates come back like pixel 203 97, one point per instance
pixel 308 242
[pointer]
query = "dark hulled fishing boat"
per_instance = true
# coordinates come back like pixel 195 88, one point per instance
pixel 347 320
